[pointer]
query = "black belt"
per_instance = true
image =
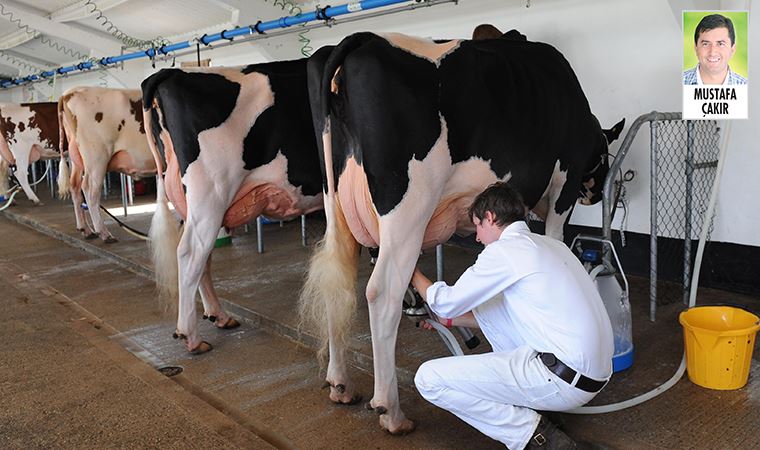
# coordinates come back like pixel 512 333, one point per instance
pixel 567 374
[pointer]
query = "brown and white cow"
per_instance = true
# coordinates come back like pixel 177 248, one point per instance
pixel 105 131
pixel 29 134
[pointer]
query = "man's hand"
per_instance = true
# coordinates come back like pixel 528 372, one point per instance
pixel 465 320
pixel 426 325
pixel 421 283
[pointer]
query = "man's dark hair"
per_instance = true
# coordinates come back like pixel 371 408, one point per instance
pixel 715 21
pixel 504 202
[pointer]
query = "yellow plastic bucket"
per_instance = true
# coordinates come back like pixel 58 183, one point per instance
pixel 719 341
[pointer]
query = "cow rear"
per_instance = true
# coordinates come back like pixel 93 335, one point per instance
pixel 411 132
pixel 235 143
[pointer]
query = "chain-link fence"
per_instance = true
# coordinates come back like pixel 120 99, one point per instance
pixel 684 162
pixel 684 159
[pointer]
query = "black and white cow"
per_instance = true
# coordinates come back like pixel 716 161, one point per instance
pixel 412 131
pixel 238 142
pixel 29 133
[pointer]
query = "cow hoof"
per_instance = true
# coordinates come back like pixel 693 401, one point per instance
pixel 405 427
pixel 356 398
pixel 89 236
pixel 39 204
pixel 110 240
pixel 230 324
pixel 201 348
pixel 343 398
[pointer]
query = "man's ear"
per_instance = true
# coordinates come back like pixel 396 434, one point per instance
pixel 490 217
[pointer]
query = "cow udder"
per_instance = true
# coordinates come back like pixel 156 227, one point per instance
pixel 255 199
pixel 356 203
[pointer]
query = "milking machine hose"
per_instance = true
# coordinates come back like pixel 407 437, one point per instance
pixel 692 299
pixel 47 169
pixel 448 338
pixel 16 189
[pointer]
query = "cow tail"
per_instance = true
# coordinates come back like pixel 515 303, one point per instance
pixel 3 177
pixel 335 60
pixel 163 239
pixel 328 298
pixel 164 234
pixel 63 168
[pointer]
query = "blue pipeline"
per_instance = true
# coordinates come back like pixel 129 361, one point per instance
pixel 206 39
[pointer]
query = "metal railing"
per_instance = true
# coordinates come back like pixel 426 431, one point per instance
pixel 683 159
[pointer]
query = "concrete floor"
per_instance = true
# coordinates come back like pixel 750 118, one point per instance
pixel 262 379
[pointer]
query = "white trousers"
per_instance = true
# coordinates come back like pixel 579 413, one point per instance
pixel 498 393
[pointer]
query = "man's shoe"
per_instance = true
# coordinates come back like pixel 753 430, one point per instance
pixel 548 437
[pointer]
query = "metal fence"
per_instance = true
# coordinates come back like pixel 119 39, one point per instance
pixel 683 162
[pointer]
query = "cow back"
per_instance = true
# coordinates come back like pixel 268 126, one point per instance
pixel 191 102
pixel 38 121
pixel 514 103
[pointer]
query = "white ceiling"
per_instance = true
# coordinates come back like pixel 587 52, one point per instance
pixel 37 35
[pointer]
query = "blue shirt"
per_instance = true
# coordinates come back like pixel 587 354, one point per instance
pixel 690 77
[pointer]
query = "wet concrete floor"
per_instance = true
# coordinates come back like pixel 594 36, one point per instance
pixel 260 385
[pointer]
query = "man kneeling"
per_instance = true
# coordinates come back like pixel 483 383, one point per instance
pixel 551 337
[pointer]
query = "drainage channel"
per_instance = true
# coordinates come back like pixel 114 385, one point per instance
pixel 170 371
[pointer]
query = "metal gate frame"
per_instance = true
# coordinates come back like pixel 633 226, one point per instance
pixel 654 118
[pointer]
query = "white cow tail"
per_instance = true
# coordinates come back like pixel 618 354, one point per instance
pixel 164 234
pixel 3 176
pixel 163 240
pixel 63 179
pixel 328 299
pixel 63 168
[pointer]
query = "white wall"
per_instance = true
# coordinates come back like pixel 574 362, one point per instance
pixel 627 56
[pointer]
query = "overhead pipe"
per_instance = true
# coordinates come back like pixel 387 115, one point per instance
pixel 319 14
pixel 312 26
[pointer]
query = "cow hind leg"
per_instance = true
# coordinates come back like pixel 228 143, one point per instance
pixel 23 180
pixel 399 250
pixel 22 175
pixel 212 307
pixel 92 187
pixel 194 248
pixel 75 191
pixel 328 299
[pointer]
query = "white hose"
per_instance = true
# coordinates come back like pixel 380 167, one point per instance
pixel 448 338
pixel 42 177
pixel 12 193
pixel 692 298
pixel 596 271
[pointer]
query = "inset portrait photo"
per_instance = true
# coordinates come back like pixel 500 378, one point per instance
pixel 715 47
pixel 715 67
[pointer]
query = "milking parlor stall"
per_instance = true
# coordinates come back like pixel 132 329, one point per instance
pixel 322 152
